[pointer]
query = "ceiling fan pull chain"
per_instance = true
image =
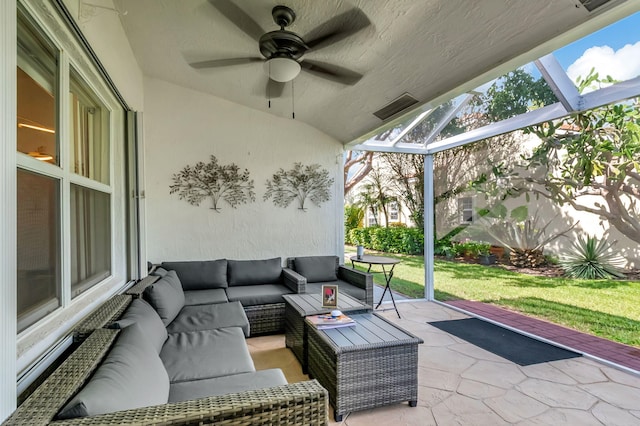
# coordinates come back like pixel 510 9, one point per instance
pixel 269 86
pixel 293 106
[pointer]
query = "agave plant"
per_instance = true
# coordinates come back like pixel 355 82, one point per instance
pixel 524 236
pixel 592 259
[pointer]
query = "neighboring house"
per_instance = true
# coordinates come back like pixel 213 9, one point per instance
pixel 462 211
pixel 397 212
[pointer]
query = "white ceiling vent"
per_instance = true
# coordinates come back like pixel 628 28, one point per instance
pixel 592 5
pixel 401 103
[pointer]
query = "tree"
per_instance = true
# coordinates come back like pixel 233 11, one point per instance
pixel 592 153
pixel 301 182
pixel 515 93
pixel 213 180
pixel 407 182
pixel 363 161
pixel 377 193
pixel 453 169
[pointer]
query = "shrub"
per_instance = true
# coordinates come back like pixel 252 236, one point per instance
pixel 472 248
pixel 353 216
pixel 390 240
pixel 592 259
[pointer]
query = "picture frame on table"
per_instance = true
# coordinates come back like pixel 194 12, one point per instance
pixel 329 296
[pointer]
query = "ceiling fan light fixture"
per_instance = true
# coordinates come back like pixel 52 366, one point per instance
pixel 282 69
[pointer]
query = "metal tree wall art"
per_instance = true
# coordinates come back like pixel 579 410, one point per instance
pixel 215 181
pixel 300 183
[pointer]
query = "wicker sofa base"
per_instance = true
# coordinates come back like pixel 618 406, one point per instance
pixel 303 403
pixel 266 319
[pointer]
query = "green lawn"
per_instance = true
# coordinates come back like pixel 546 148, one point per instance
pixel 606 308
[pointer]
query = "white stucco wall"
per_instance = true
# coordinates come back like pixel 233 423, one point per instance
pixel 183 127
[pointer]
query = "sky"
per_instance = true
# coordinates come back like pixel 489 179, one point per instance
pixel 614 51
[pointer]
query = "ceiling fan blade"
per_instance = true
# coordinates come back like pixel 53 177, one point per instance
pixel 331 72
pixel 337 28
pixel 216 63
pixel 274 89
pixel 239 18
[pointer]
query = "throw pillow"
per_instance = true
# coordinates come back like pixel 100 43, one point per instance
pixel 166 296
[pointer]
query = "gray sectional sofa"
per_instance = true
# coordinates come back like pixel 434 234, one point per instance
pixel 175 353
pixel 161 361
pixel 151 365
pixel 256 284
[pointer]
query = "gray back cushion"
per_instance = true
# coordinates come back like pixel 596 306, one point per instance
pixel 201 274
pixel 131 376
pixel 250 272
pixel 166 296
pixel 316 268
pixel 150 323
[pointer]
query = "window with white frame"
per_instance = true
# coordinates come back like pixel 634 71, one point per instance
pixel 393 211
pixel 465 210
pixel 64 185
pixel 372 216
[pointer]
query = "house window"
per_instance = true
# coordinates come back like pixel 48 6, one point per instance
pixel 465 210
pixel 90 238
pixel 65 191
pixel 393 211
pixel 372 216
pixel 89 132
pixel 37 95
pixel 38 247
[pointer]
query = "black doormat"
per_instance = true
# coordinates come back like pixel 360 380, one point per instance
pixel 513 346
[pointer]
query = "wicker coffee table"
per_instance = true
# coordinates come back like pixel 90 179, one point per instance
pixel 372 364
pixel 298 306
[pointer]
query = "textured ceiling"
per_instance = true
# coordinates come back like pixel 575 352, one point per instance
pixel 426 48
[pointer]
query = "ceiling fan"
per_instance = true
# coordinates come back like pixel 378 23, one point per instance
pixel 283 50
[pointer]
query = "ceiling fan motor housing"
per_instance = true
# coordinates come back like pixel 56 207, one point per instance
pixel 282 43
pixel 283 50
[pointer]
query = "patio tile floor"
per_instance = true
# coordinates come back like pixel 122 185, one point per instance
pixel 461 384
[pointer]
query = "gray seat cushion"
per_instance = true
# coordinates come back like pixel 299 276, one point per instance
pixel 210 317
pixel 316 268
pixel 131 376
pixel 200 274
pixel 195 355
pixel 150 323
pixel 166 296
pixel 205 297
pixel 185 391
pixel 264 294
pixel 251 272
pixel 343 287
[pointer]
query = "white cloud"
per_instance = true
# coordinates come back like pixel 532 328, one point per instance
pixel 622 64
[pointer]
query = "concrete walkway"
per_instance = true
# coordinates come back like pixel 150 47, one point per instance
pixel 461 384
